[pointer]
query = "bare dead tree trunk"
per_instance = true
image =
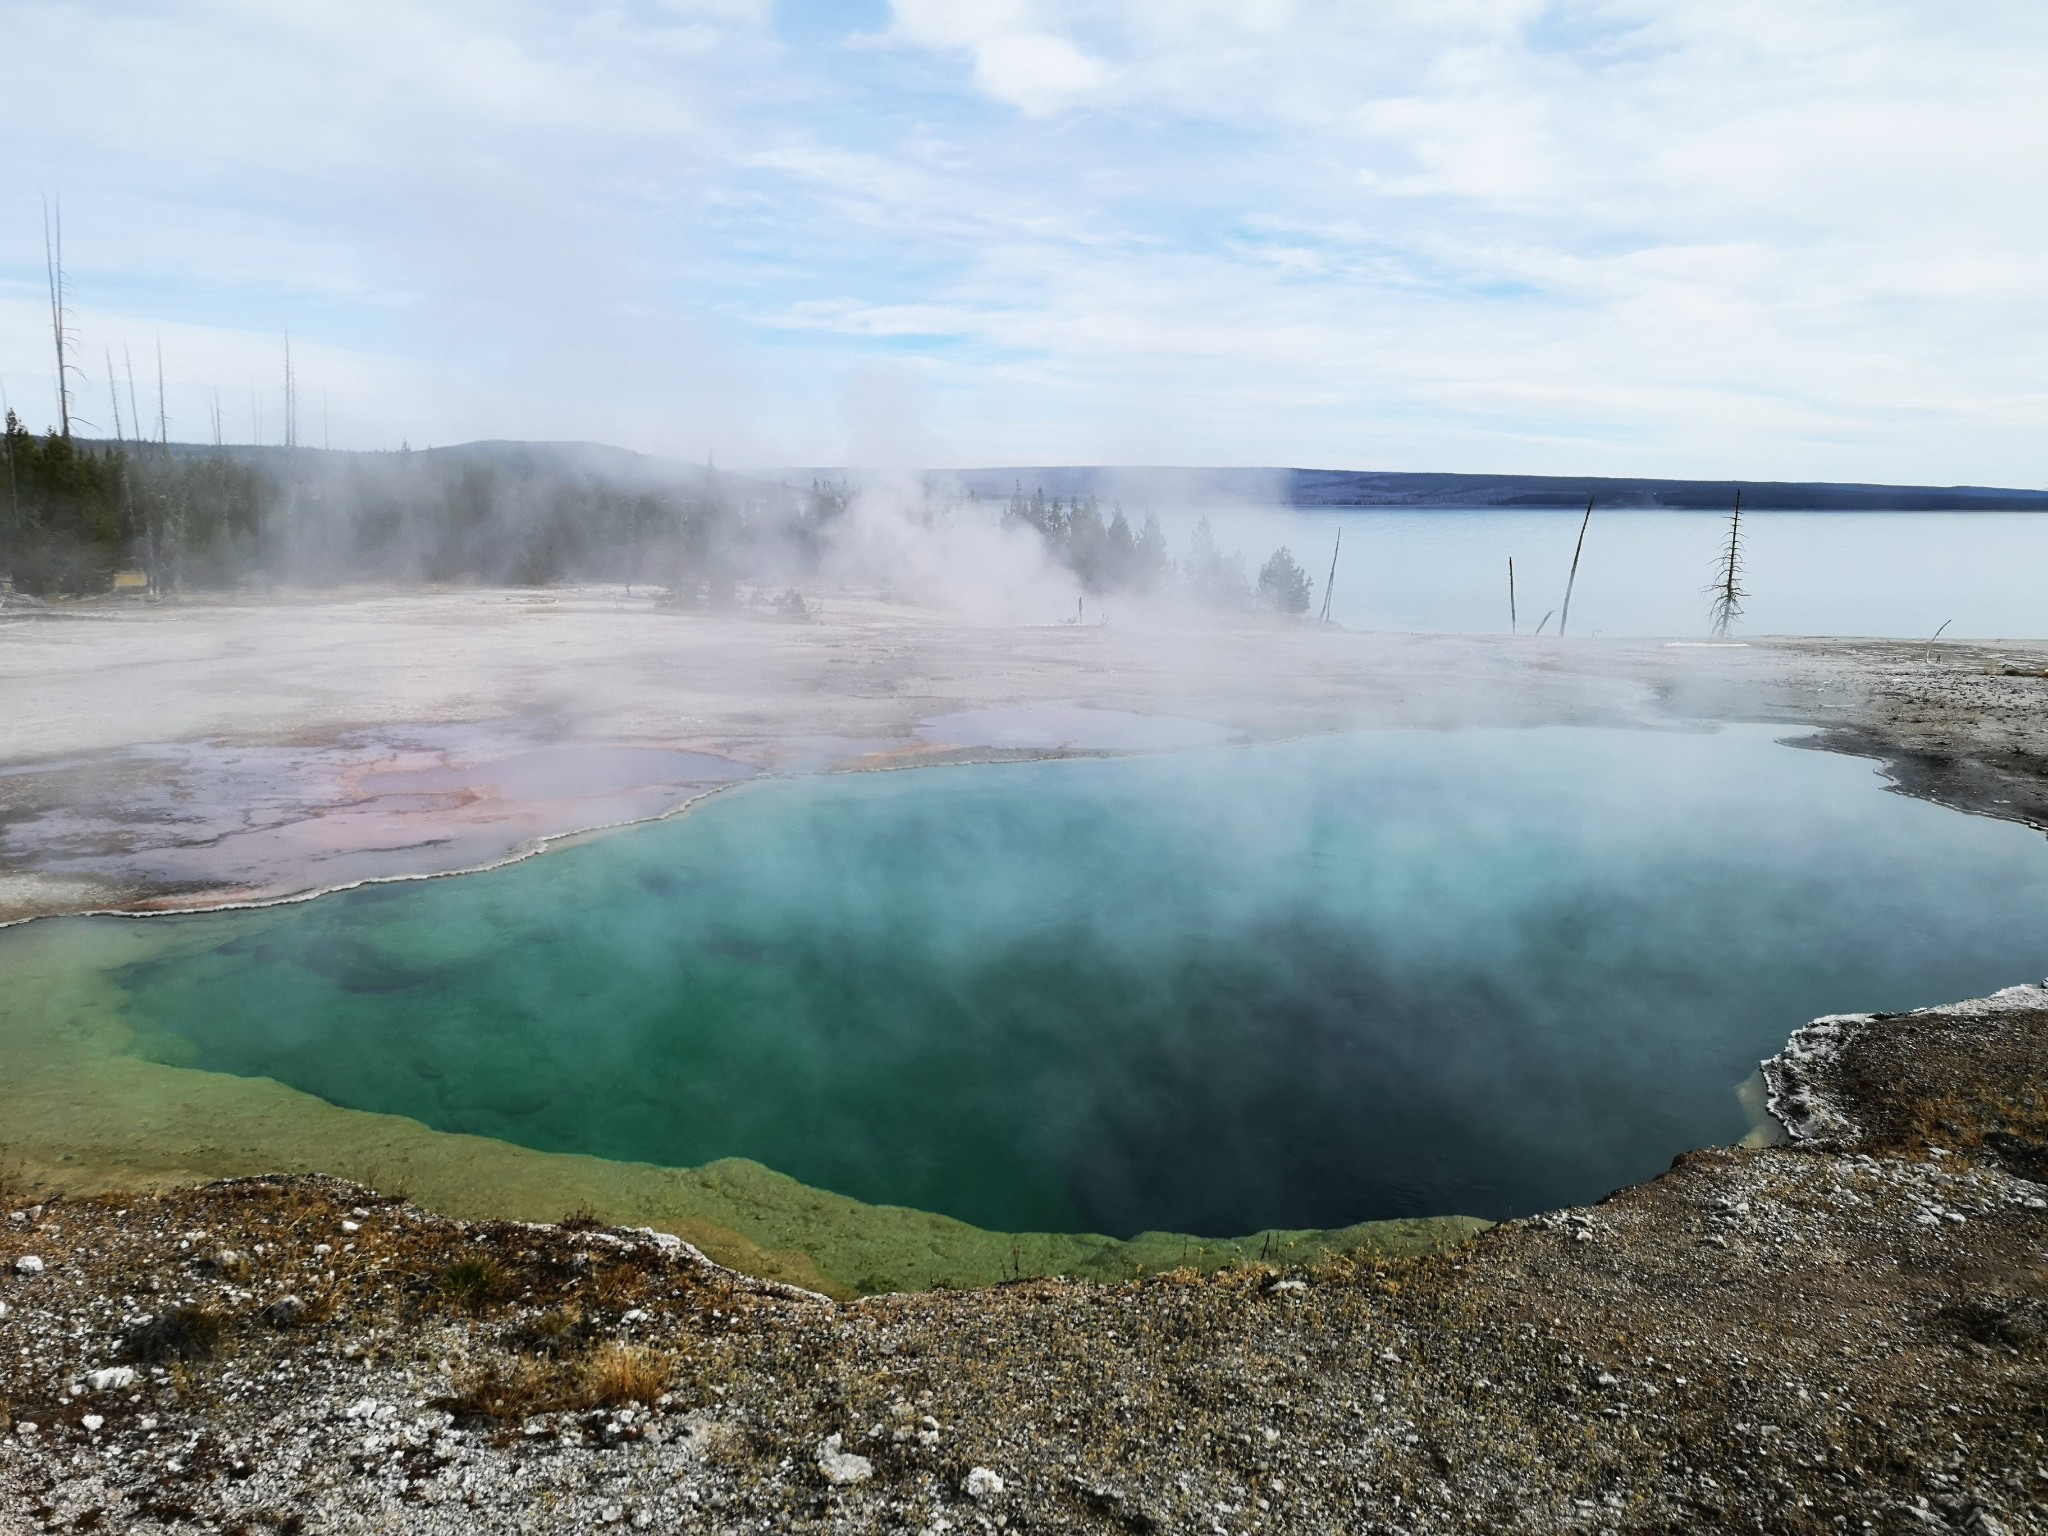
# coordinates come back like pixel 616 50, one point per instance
pixel 1330 586
pixel 291 397
pixel 170 521
pixel 60 325
pixel 134 410
pixel 1573 580
pixel 1727 588
pixel 121 457
pixel 114 397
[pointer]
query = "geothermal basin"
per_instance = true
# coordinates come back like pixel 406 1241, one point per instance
pixel 1215 990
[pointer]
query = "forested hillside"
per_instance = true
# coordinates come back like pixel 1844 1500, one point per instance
pixel 76 512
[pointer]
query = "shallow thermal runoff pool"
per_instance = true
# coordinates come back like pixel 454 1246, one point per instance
pixel 1215 991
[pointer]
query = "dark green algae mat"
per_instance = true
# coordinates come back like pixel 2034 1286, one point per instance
pixel 81 1112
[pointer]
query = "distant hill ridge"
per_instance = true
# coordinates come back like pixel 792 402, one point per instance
pixel 1307 488
pixel 1334 488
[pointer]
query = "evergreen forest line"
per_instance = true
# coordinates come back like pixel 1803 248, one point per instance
pixel 165 518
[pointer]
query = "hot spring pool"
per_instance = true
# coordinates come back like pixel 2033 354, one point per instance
pixel 1302 985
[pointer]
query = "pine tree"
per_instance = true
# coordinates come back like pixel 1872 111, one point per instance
pixel 1209 575
pixel 1283 583
pixel 1119 551
pixel 1150 564
pixel 1087 543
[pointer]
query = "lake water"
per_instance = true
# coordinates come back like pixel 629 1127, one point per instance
pixel 1211 991
pixel 1643 573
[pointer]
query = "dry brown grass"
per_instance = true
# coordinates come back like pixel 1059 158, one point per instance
pixel 618 1282
pixel 1967 1116
pixel 616 1374
pixel 1934 1081
pixel 554 1334
pixel 508 1388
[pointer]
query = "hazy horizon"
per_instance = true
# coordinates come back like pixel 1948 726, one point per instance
pixel 1073 467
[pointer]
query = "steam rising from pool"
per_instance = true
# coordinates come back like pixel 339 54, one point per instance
pixel 1384 974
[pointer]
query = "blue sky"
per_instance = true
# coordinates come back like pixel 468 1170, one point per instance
pixel 1788 239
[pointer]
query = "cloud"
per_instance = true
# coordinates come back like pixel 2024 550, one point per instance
pixel 1015 60
pixel 1634 236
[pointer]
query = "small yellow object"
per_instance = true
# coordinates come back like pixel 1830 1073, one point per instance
pixel 131 581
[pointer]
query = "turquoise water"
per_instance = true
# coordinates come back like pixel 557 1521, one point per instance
pixel 1385 974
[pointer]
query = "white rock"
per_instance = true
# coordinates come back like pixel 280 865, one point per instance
pixel 4 1309
pixel 92 1422
pixel 351 1226
pixel 28 1264
pixel 842 1469
pixel 982 1484
pixel 361 1408
pixel 115 1378
pixel 24 1428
